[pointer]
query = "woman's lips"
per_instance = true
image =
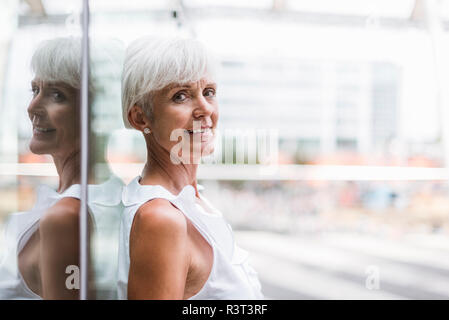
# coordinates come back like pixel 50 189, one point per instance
pixel 202 130
pixel 205 133
pixel 41 131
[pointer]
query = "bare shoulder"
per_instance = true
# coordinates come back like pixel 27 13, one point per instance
pixel 63 212
pixel 159 252
pixel 159 217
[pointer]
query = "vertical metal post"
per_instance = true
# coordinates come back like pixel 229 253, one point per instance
pixel 84 152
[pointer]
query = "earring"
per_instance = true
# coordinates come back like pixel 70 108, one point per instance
pixel 146 131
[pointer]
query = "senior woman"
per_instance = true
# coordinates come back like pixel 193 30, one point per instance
pixel 42 256
pixel 174 244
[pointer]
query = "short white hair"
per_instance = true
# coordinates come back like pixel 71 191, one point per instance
pixel 153 63
pixel 58 60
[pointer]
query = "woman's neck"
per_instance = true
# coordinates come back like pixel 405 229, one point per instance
pixel 68 168
pixel 159 169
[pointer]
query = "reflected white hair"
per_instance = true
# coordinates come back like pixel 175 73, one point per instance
pixel 58 60
pixel 153 63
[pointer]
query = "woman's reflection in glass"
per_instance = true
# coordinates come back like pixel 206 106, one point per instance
pixel 43 256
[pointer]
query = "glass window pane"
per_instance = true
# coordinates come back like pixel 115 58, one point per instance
pixel 39 150
pixel 105 187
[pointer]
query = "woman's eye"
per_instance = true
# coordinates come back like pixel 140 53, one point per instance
pixel 209 93
pixel 35 91
pixel 57 96
pixel 179 97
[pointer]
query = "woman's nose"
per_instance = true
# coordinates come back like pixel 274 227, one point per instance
pixel 203 107
pixel 35 106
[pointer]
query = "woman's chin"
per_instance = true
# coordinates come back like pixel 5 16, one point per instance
pixel 38 148
pixel 207 150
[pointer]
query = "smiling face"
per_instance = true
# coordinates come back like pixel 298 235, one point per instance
pixel 54 113
pixel 189 110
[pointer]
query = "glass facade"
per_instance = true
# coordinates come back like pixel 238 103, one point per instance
pixel 330 159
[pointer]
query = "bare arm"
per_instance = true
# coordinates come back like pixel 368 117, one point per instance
pixel 59 248
pixel 158 252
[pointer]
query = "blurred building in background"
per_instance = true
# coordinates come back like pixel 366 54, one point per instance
pixel 349 83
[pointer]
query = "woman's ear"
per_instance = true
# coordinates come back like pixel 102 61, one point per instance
pixel 137 118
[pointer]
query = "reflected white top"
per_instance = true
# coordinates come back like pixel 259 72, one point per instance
pixel 21 226
pixel 231 276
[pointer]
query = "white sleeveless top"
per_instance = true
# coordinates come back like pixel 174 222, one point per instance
pixel 231 276
pixel 21 226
